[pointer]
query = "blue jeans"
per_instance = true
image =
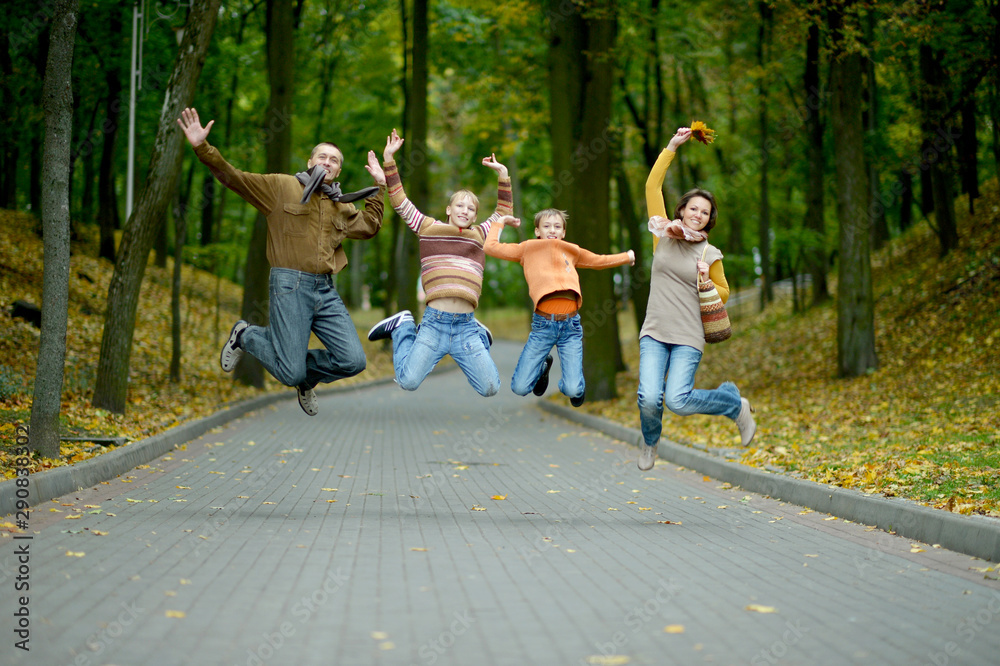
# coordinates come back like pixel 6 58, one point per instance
pixel 666 374
pixel 415 351
pixel 567 337
pixel 301 303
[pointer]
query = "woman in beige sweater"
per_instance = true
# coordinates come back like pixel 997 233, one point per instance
pixel 672 338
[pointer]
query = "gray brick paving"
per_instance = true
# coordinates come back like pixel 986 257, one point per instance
pixel 238 538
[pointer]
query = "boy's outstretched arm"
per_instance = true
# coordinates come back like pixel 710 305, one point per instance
pixel 494 248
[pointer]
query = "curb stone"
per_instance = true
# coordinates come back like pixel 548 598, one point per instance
pixel 60 481
pixel 978 536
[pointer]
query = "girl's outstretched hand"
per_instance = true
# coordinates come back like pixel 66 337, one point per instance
pixel 492 163
pixel 679 137
pixel 392 143
pixel 510 221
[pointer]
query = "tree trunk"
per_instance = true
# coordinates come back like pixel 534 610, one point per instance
pixel 57 104
pixel 107 201
pixel 634 231
pixel 278 133
pixel 414 165
pixel 876 209
pixel 855 304
pixel 764 223
pixel 937 133
pixel 905 200
pixel 180 238
pixel 581 78
pixel 968 147
pixel 816 254
pixel 111 388
pixel 8 117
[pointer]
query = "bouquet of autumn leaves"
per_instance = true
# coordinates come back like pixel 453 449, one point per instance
pixel 701 132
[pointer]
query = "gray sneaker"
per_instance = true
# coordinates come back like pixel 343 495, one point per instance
pixel 647 458
pixel 745 422
pixel 307 401
pixel 231 351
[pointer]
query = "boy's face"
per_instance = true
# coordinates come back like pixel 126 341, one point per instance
pixel 462 212
pixel 330 158
pixel 551 227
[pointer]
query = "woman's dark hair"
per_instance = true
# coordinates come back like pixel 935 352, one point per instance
pixel 705 194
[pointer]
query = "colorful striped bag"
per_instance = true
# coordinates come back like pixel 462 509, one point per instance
pixel 714 317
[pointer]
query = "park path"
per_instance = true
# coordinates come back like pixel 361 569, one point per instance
pixel 439 527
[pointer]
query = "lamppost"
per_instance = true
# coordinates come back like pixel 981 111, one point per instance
pixel 140 29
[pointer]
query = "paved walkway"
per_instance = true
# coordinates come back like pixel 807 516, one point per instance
pixel 438 527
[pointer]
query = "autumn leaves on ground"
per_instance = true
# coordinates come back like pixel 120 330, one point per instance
pixel 925 425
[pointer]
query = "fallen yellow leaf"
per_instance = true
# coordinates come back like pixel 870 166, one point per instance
pixel 673 629
pixel 761 609
pixel 499 497
pixel 176 613
pixel 608 659
pixel 418 550
pixel 72 553
pixel 380 635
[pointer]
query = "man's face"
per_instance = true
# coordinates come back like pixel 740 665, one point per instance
pixel 330 158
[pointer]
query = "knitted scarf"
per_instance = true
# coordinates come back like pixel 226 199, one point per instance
pixel 314 179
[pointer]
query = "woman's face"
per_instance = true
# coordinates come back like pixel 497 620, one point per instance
pixel 696 213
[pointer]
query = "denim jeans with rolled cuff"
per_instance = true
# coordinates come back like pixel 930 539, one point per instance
pixel 303 303
pixel 666 376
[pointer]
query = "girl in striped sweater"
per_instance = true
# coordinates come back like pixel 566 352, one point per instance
pixel 451 270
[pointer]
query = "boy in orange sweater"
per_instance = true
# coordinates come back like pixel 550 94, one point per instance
pixel 549 264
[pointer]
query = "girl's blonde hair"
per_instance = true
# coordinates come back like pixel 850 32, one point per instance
pixel 464 194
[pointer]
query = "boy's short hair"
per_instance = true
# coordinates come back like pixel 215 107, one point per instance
pixel 540 215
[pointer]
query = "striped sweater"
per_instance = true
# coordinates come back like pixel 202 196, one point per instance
pixel 451 259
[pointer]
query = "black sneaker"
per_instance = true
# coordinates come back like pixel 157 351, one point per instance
pixel 384 328
pixel 231 351
pixel 543 379
pixel 576 402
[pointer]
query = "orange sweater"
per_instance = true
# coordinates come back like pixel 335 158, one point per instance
pixel 550 265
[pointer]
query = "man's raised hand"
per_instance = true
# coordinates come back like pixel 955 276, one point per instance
pixel 375 169
pixel 193 130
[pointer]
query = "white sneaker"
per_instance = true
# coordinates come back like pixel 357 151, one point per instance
pixel 384 328
pixel 308 402
pixel 231 351
pixel 647 458
pixel 745 422
pixel 489 333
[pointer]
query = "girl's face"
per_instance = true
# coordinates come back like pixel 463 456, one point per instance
pixel 552 227
pixel 696 213
pixel 462 212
